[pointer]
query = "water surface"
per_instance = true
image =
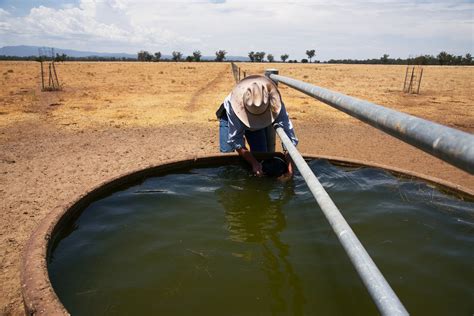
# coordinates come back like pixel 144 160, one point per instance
pixel 217 241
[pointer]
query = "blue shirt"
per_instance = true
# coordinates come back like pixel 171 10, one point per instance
pixel 237 128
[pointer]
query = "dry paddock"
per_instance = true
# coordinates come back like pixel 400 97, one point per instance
pixel 112 118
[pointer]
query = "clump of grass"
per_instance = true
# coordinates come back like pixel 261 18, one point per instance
pixel 173 81
pixel 10 70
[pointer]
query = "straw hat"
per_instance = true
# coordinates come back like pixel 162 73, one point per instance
pixel 256 101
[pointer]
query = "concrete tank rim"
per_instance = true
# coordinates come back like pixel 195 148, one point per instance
pixel 38 294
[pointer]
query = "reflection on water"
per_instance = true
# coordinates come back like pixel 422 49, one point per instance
pixel 253 209
pixel 253 212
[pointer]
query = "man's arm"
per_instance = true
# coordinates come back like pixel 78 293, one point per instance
pixel 283 121
pixel 236 141
pixel 247 155
pixel 289 161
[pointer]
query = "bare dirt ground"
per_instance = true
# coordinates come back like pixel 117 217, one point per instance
pixel 113 118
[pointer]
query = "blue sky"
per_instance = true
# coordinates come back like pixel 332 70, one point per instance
pixel 338 29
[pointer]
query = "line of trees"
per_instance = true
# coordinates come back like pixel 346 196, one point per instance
pixel 177 56
pixel 258 57
pixel 443 58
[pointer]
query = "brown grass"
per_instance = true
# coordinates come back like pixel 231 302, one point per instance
pixel 152 94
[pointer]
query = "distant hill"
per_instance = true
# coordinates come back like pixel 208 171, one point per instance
pixel 26 51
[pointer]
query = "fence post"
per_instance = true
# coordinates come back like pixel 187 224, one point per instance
pixel 42 75
pixel 419 81
pixel 270 131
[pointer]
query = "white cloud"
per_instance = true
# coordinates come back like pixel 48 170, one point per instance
pixel 3 13
pixel 353 29
pixel 93 25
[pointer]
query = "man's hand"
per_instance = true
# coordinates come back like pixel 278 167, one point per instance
pixel 289 174
pixel 247 155
pixel 286 176
pixel 257 169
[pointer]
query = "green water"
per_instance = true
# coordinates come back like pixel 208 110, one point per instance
pixel 217 241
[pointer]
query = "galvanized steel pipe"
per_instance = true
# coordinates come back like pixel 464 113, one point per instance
pixel 382 294
pixel 451 145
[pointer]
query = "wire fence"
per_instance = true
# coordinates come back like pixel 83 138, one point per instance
pixel 412 82
pixel 49 76
pixel 237 72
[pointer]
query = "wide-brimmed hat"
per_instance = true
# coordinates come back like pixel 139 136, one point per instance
pixel 256 101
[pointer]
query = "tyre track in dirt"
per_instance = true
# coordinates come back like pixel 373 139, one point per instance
pixel 192 106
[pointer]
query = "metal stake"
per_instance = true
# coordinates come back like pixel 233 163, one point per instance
pixel 42 75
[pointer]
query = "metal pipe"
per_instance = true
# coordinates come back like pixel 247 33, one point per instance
pixel 451 145
pixel 382 294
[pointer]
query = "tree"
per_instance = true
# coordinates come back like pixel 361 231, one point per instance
pixel 444 58
pixel 310 54
pixel 284 57
pixel 259 56
pixel 220 55
pixel 197 55
pixel 144 55
pixel 177 56
pixel 61 57
pixel 189 58
pixel 270 58
pixel 421 60
pixel 157 56
pixel 467 60
pixel 457 60
pixel 304 60
pixel 252 56
pixel 384 58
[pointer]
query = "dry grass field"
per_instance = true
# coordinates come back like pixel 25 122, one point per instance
pixel 97 95
pixel 112 118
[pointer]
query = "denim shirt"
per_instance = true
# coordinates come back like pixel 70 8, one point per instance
pixel 237 128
